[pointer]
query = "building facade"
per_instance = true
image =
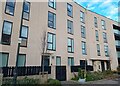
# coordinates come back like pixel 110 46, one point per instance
pixel 70 34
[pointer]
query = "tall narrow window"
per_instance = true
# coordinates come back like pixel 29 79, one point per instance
pixel 4 58
pixel 70 45
pixel 83 32
pixel 84 48
pixel 21 60
pixel 70 26
pixel 6 32
pixel 58 60
pixel 10 7
pixel 95 22
pixel 82 16
pixel 70 61
pixel 69 10
pixel 26 10
pixel 51 20
pixel 24 36
pixel 106 50
pixel 97 35
pixel 52 3
pixel 105 37
pixel 98 49
pixel 103 25
pixel 51 41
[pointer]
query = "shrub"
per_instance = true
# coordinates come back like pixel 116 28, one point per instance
pixel 54 82
pixel 81 73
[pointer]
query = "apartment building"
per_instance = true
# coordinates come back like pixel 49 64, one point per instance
pixel 70 34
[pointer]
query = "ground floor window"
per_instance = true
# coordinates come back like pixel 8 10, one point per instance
pixel 70 61
pixel 4 59
pixel 21 60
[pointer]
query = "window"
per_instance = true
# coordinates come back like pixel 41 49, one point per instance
pixel 97 36
pixel 26 10
pixel 98 49
pixel 51 20
pixel 58 60
pixel 52 3
pixel 51 41
pixel 70 45
pixel 70 61
pixel 4 58
pixel 106 50
pixel 70 26
pixel 83 32
pixel 95 22
pixel 21 60
pixel 24 35
pixel 10 7
pixel 69 10
pixel 6 32
pixel 103 25
pixel 105 37
pixel 84 48
pixel 82 16
pixel 83 62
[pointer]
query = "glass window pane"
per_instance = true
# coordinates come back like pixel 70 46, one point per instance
pixel 21 60
pixel 9 10
pixel 3 60
pixel 26 7
pixel 58 61
pixel 50 46
pixel 24 31
pixel 54 42
pixel 50 38
pixel 7 28
pixel 25 15
pixel 11 2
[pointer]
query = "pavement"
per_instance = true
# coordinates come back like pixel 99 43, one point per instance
pixel 104 82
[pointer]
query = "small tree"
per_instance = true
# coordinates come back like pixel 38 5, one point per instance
pixel 44 45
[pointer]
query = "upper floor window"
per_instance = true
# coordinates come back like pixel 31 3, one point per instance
pixel 52 3
pixel 51 20
pixel 106 50
pixel 69 10
pixel 95 22
pixel 24 35
pixel 84 48
pixel 98 49
pixel 105 37
pixel 97 35
pixel 4 58
pixel 83 32
pixel 51 41
pixel 103 25
pixel 70 26
pixel 82 16
pixel 10 7
pixel 70 61
pixel 26 10
pixel 70 45
pixel 6 32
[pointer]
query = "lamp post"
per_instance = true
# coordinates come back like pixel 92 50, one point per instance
pixel 16 66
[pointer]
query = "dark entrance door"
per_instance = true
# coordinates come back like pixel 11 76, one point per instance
pixel 108 65
pixel 102 65
pixel 61 73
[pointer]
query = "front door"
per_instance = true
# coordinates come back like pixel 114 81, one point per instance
pixel 45 60
pixel 102 66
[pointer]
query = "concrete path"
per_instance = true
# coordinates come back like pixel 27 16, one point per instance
pixel 115 82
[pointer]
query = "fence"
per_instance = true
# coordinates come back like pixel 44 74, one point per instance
pixel 24 71
pixel 75 68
